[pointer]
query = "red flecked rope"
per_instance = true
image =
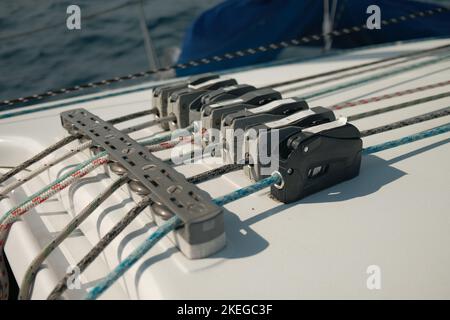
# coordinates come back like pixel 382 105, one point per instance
pixel 388 96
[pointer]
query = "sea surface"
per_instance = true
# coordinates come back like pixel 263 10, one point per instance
pixel 38 52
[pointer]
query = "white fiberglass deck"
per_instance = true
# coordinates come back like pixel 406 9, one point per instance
pixel 395 214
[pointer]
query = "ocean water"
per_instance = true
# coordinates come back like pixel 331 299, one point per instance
pixel 38 52
pixel 109 44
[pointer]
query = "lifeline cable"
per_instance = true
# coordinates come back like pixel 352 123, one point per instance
pixel 224 57
pixel 398 106
pixel 30 274
pixel 168 226
pixel 396 94
pixel 373 78
pixel 124 222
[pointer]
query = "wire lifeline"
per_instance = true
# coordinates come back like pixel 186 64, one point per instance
pixel 396 94
pixel 123 223
pixel 408 139
pixel 167 227
pixel 398 106
pixel 224 57
pixel 373 78
pixel 30 274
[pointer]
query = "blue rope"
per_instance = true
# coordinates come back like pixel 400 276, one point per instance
pixel 173 222
pixel 168 226
pixel 408 139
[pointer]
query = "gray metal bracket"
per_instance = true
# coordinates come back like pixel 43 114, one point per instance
pixel 202 232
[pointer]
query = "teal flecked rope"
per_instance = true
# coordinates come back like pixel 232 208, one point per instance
pixel 155 140
pixel 51 185
pixel 408 139
pixel 168 226
pixel 374 77
pixel 275 178
pixel 243 192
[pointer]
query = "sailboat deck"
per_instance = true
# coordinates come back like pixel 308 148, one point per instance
pixel 394 215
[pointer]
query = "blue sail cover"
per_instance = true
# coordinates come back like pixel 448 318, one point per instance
pixel 239 24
